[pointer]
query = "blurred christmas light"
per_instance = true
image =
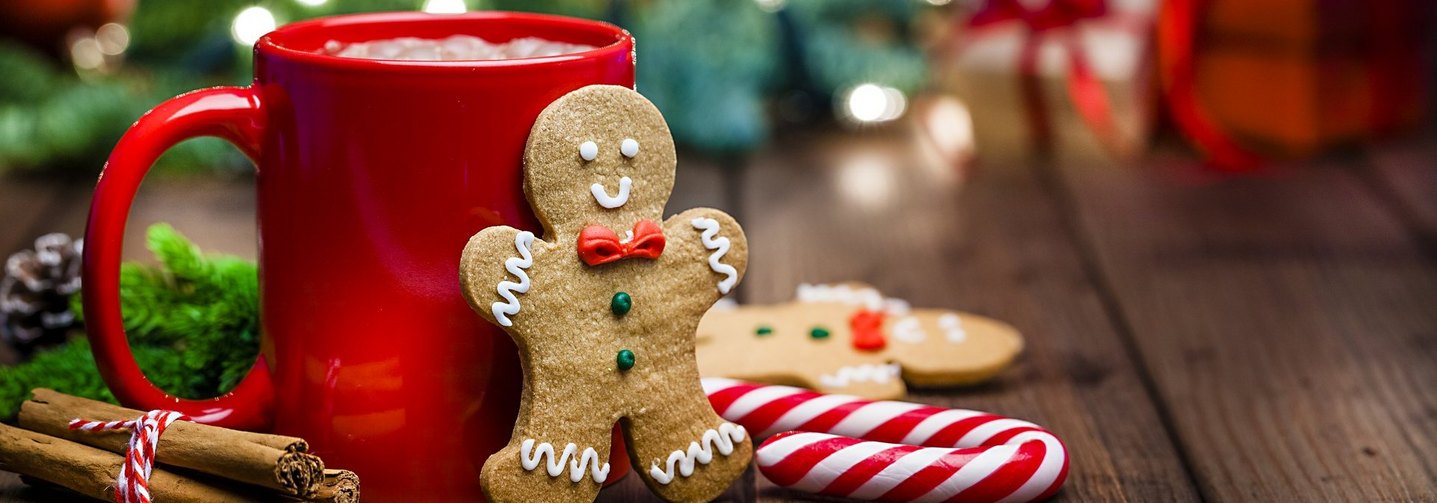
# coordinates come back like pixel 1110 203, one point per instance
pixel 251 24
pixel 939 2
pixel 869 103
pixel 444 6
pixel 866 178
pixel 85 54
pixel 313 3
pixel 771 5
pixel 950 127
pixel 113 38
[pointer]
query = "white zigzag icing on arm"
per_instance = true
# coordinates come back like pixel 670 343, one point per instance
pixel 516 266
pixel 869 372
pixel 710 228
pixel 701 452
pixel 529 458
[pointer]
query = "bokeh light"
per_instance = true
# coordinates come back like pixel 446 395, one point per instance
pixel 251 24
pixel 868 103
pixel 444 6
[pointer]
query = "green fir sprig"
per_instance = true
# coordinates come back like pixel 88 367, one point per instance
pixel 192 321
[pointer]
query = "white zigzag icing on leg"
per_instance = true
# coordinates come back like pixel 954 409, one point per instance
pixel 516 266
pixel 529 458
pixel 700 452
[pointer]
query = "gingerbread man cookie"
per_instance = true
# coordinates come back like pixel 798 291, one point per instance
pixel 849 339
pixel 604 308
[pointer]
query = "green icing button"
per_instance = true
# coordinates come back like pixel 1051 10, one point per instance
pixel 818 333
pixel 764 330
pixel 626 359
pixel 621 304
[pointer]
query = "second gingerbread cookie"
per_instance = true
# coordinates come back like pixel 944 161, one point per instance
pixel 604 307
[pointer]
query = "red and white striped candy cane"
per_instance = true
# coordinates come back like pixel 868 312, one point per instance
pixel 132 485
pixel 891 451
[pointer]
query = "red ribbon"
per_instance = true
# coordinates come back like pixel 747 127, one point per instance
pixel 1177 63
pixel 1084 88
pixel 599 245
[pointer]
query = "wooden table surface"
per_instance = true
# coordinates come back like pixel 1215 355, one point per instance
pixel 1189 336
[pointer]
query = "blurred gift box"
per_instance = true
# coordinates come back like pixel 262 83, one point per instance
pixel 1072 77
pixel 1290 77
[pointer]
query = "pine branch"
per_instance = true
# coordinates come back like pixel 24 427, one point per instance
pixel 193 324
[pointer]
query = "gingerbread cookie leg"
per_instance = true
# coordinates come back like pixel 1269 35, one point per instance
pixel 683 450
pixel 556 454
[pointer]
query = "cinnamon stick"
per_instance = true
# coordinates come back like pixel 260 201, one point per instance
pixel 340 486
pixel 92 471
pixel 271 461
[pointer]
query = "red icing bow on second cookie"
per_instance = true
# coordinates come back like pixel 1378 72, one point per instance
pixel 599 245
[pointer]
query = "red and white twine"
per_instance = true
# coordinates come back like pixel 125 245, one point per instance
pixel 132 485
pixel 851 447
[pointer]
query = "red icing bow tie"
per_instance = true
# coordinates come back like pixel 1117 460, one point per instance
pixel 599 245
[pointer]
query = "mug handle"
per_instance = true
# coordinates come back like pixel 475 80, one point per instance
pixel 231 113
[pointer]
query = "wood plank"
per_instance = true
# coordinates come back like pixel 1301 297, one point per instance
pixel 217 212
pixel 12 489
pixel 1405 174
pixel 1288 322
pixel 872 208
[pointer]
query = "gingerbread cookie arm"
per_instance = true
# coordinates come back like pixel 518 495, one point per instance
pixel 494 272
pixel 707 244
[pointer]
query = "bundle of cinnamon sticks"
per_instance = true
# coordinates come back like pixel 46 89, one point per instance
pixel 194 462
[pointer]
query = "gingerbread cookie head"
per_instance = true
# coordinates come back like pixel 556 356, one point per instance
pixel 599 155
pixel 849 339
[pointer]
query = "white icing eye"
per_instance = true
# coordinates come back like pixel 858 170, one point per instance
pixel 629 148
pixel 589 150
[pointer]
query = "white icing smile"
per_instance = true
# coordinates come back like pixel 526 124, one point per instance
pixel 602 195
pixel 855 374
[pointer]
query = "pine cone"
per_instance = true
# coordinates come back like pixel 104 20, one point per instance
pixel 35 293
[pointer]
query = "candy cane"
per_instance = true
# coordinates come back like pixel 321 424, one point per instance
pixel 891 451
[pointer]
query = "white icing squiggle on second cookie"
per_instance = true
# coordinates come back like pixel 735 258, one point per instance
pixel 701 452
pixel 516 266
pixel 602 195
pixel 953 328
pixel 710 228
pixel 908 329
pixel 869 372
pixel 868 298
pixel 529 458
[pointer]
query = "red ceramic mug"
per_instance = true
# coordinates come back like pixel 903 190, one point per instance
pixel 372 174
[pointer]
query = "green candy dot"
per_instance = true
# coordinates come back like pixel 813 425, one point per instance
pixel 818 333
pixel 764 330
pixel 621 304
pixel 626 359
